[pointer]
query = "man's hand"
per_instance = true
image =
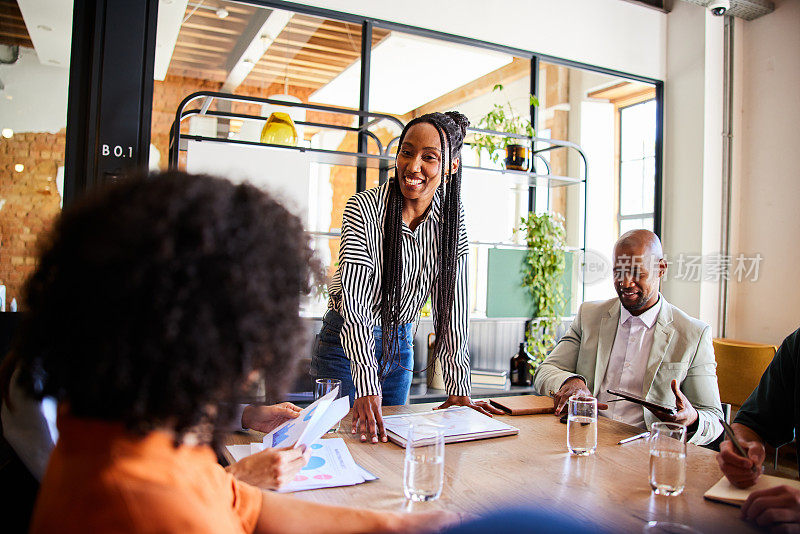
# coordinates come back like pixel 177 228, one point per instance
pixel 481 406
pixel 271 468
pixel 687 415
pixel 776 508
pixel 573 386
pixel 367 418
pixel 741 472
pixel 267 418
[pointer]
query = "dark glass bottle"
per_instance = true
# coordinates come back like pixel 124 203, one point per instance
pixel 521 368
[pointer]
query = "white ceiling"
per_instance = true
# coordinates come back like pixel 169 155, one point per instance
pixel 49 24
pixel 170 17
pixel 407 71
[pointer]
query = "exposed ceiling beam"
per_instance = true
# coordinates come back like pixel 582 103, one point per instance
pixel 12 27
pixel 623 91
pixel 170 17
pixel 49 24
pixel 261 32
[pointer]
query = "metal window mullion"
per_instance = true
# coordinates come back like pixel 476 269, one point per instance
pixel 363 101
pixel 535 124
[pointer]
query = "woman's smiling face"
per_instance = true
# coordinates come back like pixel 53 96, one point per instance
pixel 419 162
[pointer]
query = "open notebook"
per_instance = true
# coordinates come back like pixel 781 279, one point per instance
pixel 724 491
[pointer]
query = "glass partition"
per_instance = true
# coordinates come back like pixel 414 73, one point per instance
pixel 251 50
pixel 613 120
pixel 34 69
pixel 254 51
pixel 412 75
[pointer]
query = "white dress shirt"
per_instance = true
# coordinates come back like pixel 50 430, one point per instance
pixel 628 363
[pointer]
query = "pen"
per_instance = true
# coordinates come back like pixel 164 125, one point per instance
pixel 732 437
pixel 633 438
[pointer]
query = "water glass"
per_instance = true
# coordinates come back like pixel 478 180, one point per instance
pixel 582 425
pixel 423 474
pixel 667 458
pixel 322 387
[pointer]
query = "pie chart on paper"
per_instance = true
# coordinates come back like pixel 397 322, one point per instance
pixel 315 462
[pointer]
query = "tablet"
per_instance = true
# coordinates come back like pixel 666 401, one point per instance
pixel 646 403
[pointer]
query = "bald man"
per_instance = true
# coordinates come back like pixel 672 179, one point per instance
pixel 638 343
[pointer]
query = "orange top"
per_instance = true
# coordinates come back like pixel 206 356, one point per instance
pixel 103 479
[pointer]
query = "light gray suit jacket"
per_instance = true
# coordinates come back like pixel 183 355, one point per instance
pixel 681 350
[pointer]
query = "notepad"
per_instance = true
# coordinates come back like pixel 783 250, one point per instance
pixel 460 423
pixel 724 491
pixel 524 404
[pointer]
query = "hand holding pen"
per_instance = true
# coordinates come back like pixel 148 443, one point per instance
pixel 740 460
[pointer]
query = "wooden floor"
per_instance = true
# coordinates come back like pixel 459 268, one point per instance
pixel 533 468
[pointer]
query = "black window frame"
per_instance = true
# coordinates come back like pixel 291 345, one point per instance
pixel 74 184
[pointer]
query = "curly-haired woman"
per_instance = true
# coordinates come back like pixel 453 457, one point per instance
pixel 401 242
pixel 156 302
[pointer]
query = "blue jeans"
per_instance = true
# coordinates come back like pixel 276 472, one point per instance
pixel 330 361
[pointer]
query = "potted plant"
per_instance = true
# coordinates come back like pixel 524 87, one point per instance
pixel 542 271
pixel 502 118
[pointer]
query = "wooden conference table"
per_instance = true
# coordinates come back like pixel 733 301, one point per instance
pixel 533 468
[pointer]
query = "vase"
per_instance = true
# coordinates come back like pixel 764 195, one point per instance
pixel 279 130
pixel 517 157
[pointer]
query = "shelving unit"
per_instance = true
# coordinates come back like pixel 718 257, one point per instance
pixel 382 159
pixel 378 156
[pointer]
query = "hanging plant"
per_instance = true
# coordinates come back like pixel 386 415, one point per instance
pixel 543 268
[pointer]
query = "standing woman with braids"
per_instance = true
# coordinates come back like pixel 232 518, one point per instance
pixel 401 242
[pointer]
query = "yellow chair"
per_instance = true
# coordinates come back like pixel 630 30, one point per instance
pixel 740 365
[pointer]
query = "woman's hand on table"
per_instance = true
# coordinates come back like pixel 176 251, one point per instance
pixel 481 406
pixel 424 522
pixel 367 418
pixel 267 418
pixel 270 469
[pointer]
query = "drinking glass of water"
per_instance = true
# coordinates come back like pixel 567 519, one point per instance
pixel 423 473
pixel 667 458
pixel 323 386
pixel 582 425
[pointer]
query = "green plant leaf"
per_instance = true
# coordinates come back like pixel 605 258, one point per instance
pixel 543 267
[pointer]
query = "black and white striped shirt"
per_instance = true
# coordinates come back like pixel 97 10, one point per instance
pixel 356 286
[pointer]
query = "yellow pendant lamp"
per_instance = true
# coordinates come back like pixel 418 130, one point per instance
pixel 279 130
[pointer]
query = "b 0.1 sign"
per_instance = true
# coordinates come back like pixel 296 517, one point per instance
pixel 116 151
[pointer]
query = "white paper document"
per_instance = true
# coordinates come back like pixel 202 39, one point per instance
pixel 330 465
pixel 239 452
pixel 311 424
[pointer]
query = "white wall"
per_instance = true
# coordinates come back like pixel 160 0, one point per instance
pixel 711 235
pixel 38 95
pixel 692 154
pixel 609 33
pixel 766 201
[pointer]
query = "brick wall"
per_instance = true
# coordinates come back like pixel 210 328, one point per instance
pixel 30 202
